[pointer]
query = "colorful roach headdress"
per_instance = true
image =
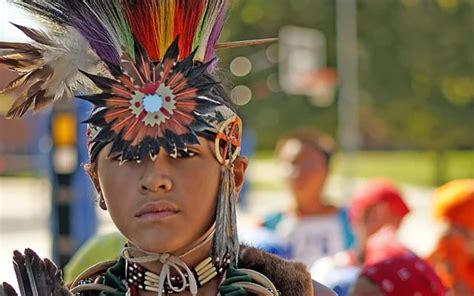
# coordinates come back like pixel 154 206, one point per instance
pixel 146 66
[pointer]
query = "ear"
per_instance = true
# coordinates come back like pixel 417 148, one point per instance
pixel 91 170
pixel 240 166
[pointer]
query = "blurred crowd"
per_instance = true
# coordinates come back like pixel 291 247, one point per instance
pixel 354 247
pixel 355 250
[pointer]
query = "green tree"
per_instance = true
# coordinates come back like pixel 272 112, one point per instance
pixel 416 66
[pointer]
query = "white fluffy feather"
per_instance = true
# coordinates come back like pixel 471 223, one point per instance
pixel 70 53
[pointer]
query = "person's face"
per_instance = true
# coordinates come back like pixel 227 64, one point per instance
pixel 306 170
pixel 166 204
pixel 364 226
pixel 372 220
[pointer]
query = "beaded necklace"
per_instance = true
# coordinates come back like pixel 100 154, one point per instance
pixel 138 277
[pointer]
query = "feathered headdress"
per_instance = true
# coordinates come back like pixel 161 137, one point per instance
pixel 149 59
pixel 146 65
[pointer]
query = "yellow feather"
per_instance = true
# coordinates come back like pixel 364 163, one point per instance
pixel 166 11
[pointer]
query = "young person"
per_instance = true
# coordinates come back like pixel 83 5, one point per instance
pixel 164 147
pixel 404 274
pixel 376 210
pixel 453 256
pixel 314 228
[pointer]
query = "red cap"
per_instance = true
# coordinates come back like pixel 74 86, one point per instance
pixel 405 274
pixel 374 192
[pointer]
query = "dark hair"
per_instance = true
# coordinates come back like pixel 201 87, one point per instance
pixel 320 142
pixel 220 91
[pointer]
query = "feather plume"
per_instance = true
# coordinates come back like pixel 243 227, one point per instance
pixel 109 25
pixel 88 34
pixel 198 23
pixel 48 67
pixel 210 28
pixel 143 20
pixel 114 18
pixel 85 18
pixel 36 276
pixel 226 240
pixel 188 15
pixel 7 290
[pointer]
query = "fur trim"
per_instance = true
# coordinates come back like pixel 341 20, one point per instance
pixel 291 278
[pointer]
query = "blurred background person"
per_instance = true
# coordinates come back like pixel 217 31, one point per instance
pixel 376 211
pixel 453 257
pixel 313 228
pixel 402 275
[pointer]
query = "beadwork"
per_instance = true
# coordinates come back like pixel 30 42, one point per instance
pixel 143 279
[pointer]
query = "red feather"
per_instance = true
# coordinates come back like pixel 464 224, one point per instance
pixel 188 15
pixel 142 17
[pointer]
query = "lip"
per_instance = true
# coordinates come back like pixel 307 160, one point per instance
pixel 157 210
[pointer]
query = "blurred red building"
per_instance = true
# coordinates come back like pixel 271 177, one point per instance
pixel 15 135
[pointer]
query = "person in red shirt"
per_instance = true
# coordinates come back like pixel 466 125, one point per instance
pixel 453 257
pixel 401 275
pixel 376 212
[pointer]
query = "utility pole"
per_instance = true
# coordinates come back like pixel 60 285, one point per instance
pixel 347 69
pixel 348 101
pixel 73 207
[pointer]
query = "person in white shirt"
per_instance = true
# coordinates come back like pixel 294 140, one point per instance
pixel 313 229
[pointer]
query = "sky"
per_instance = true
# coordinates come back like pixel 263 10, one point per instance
pixel 9 13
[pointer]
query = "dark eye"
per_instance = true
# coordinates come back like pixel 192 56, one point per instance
pixel 186 153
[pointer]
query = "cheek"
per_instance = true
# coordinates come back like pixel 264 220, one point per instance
pixel 206 187
pixel 201 195
pixel 118 192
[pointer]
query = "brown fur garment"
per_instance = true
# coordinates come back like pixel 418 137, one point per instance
pixel 290 278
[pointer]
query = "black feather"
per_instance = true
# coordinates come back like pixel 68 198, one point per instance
pixel 142 60
pixel 101 81
pixel 187 64
pixel 36 35
pixel 7 290
pixel 36 276
pixel 99 100
pixel 172 52
pixel 21 273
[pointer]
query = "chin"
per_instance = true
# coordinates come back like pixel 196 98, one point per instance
pixel 157 244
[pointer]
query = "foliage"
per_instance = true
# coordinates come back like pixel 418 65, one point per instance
pixel 416 61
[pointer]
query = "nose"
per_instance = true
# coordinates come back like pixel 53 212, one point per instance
pixel 156 175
